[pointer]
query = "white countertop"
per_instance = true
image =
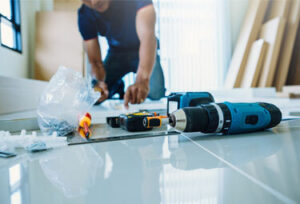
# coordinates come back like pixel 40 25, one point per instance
pixel 262 167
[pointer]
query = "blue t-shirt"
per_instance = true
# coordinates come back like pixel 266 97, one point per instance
pixel 117 23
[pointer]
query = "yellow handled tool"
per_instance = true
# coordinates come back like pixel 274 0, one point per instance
pixel 84 124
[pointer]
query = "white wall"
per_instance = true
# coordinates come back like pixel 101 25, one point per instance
pixel 238 9
pixel 21 65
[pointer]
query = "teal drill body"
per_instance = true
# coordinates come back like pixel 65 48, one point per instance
pixel 249 117
pixel 226 118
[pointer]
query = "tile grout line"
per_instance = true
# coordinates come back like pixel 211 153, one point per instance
pixel 274 192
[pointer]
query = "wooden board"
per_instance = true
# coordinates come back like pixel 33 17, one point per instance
pixel 58 42
pixel 288 45
pixel 272 33
pixel 67 5
pixel 248 34
pixel 254 64
pixel 278 8
pixel 287 95
pixel 294 69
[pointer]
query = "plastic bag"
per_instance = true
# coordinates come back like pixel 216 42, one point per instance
pixel 67 96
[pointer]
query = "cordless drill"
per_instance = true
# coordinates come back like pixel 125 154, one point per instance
pixel 226 118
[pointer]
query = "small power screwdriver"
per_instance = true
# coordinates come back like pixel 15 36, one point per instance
pixel 226 118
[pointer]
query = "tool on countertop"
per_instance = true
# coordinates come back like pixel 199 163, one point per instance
pixel 226 118
pixel 84 126
pixel 134 122
pixel 179 100
pixel 131 122
pixel 155 121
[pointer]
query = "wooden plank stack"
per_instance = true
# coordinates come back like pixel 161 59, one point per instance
pixel 267 53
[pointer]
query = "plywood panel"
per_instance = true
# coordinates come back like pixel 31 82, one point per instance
pixel 254 64
pixel 278 8
pixel 287 45
pixel 248 34
pixel 294 70
pixel 287 95
pixel 66 5
pixel 272 33
pixel 58 42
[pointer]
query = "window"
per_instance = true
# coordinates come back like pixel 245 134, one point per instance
pixel 10 25
pixel 194 40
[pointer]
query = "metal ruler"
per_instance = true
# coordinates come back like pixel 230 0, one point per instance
pixel 77 141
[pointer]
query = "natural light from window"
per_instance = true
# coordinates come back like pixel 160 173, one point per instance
pixel 10 25
pixel 188 39
pixel 15 183
pixel 7 34
pixel 5 8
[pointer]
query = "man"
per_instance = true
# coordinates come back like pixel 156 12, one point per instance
pixel 129 27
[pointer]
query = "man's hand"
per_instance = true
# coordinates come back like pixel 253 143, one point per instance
pixel 92 48
pixel 136 93
pixel 102 88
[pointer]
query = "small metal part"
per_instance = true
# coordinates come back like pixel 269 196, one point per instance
pixel 172 120
pixel 7 154
pixel 178 120
pixel 37 147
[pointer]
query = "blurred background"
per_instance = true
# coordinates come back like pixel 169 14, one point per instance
pixel 197 40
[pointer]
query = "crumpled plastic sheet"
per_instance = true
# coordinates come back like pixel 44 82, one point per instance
pixel 30 142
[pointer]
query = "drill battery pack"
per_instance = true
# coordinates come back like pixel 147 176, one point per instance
pixel 134 122
pixel 179 100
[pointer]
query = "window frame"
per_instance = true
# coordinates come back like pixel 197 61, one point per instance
pixel 16 26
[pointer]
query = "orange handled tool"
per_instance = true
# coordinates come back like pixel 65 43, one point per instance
pixel 84 124
pixel 155 121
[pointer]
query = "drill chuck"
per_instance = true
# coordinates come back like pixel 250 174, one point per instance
pixel 226 118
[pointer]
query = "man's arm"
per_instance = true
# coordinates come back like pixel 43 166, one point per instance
pixel 145 27
pixel 92 48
